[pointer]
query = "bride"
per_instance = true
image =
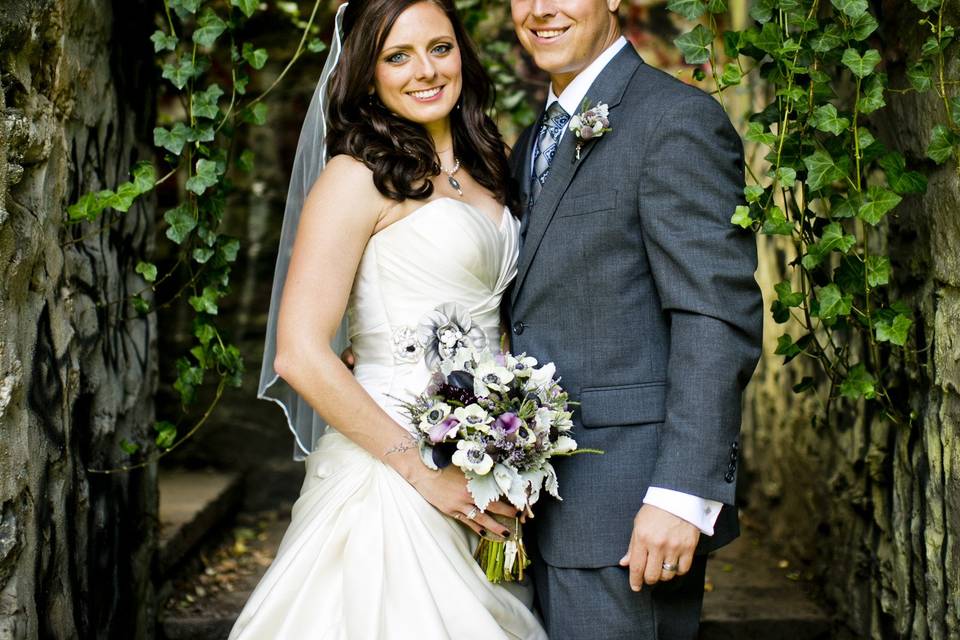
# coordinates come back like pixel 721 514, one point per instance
pixel 408 217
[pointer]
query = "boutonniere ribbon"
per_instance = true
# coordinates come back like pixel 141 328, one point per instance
pixel 590 123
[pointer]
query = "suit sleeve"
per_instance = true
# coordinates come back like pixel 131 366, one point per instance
pixel 703 267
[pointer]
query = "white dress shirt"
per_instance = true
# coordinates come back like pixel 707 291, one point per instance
pixel 700 512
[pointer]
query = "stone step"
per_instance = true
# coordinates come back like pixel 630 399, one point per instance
pixel 192 505
pixel 751 594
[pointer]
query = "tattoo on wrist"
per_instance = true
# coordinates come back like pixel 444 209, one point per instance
pixel 409 442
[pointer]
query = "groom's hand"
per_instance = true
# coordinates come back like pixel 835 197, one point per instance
pixel 658 537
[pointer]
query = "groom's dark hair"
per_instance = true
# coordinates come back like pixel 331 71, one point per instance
pixel 400 152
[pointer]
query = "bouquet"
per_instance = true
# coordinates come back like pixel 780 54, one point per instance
pixel 499 418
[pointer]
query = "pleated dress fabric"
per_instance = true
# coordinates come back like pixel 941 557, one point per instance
pixel 365 556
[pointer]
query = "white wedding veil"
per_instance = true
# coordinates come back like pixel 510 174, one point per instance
pixel 308 162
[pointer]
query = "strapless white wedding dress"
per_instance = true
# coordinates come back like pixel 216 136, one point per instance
pixel 365 556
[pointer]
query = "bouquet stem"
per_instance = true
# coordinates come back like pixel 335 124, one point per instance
pixel 503 560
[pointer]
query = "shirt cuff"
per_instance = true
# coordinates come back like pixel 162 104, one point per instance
pixel 699 512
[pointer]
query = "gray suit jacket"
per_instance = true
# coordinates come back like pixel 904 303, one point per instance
pixel 635 283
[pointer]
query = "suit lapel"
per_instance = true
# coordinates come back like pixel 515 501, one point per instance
pixel 608 88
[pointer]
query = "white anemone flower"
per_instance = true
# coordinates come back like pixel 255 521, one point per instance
pixel 521 365
pixel 434 416
pixel 490 376
pixel 564 444
pixel 474 416
pixel 472 456
pixel 545 419
pixel 542 376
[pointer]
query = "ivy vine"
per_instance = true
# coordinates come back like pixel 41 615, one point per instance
pixel 829 183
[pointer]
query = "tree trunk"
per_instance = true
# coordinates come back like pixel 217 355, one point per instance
pixel 77 368
pixel 872 507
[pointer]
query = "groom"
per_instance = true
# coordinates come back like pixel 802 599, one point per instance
pixel 634 282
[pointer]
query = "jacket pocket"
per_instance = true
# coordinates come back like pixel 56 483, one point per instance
pixel 632 404
pixel 582 204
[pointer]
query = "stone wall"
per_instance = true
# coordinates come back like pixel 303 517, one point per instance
pixel 874 509
pixel 77 372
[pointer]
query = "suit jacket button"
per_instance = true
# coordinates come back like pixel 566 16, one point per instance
pixel 728 477
pixel 518 327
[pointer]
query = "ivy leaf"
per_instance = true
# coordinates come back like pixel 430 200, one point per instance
pixel 204 332
pixel 895 331
pixel 878 270
pixel 148 270
pixel 833 302
pixel 205 102
pixel 257 114
pixel 926 5
pixel 316 45
pixel 769 39
pixel 717 6
pixel 786 347
pixel 786 176
pixel 163 42
pixel 245 160
pixel 776 223
pixel 205 177
pixel 787 296
pixel 753 192
pixel 172 140
pixel 821 170
pixel 851 8
pixel 256 58
pixel 901 180
pixel 872 98
pixel 206 302
pixel 185 6
pixel 861 66
pixel 862 27
pixel 246 6
pixel 865 136
pixel 230 249
pixel 695 44
pixel 955 110
pixel 209 28
pixel 741 217
pixel 876 203
pixel 128 447
pixel 203 132
pixel 166 434
pixel 921 75
pixel 825 118
pixel 830 38
pixel 833 239
pixel 757 133
pixel 689 9
pixel 202 254
pixel 144 177
pixel 181 223
pixel 846 207
pixel 179 73
pixel 859 383
pixel 731 75
pixel 762 10
pixel 941 144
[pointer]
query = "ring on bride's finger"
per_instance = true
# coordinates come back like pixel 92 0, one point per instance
pixel 669 566
pixel 458 515
pixel 473 513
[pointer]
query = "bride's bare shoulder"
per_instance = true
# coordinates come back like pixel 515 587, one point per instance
pixel 347 181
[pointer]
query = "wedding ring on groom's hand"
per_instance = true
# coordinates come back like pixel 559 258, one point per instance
pixel 670 566
pixel 473 513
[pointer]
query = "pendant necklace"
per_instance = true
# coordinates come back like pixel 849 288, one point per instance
pixel 453 181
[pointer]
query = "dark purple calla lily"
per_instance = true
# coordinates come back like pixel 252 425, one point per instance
pixel 439 432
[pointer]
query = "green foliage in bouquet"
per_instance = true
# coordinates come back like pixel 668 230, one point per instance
pixel 829 183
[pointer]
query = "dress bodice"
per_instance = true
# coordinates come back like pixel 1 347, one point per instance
pixel 446 251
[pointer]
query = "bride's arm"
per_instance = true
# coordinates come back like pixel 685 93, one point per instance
pixel 338 218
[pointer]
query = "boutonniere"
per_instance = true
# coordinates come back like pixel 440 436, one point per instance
pixel 590 124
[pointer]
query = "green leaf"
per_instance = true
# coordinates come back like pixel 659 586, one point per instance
pixel 230 249
pixel 899 179
pixel 204 332
pixel 894 330
pixel 128 447
pixel 756 132
pixel 148 270
pixel 846 207
pixel 689 9
pixel 859 383
pixel 141 305
pixel 865 136
pixel 206 302
pixel 172 140
pixel 921 75
pixel 926 5
pixel 851 8
pixel 955 110
pixel 316 45
pixel 787 296
pixel 256 58
pixel 202 254
pixel 770 38
pixel 181 223
pixel 245 160
pixel 821 170
pixel 786 176
pixel 941 145
pixel 257 114
pixel 207 173
pixel 829 39
pixel 209 28
pixel 741 217
pixel 776 223
pixel 806 384
pixel 876 203
pixel 205 102
pixel 762 10
pixel 203 132
pixel 166 434
pixel 878 270
pixel 833 302
pixel 180 72
pixel 717 6
pixel 144 176
pixel 188 6
pixel 872 98
pixel 825 118
pixel 753 192
pixel 861 66
pixel 786 347
pixel 731 75
pixel 695 45
pixel 163 42
pixel 862 27
pixel 833 239
pixel 246 6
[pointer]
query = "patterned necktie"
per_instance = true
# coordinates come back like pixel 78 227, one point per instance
pixel 554 120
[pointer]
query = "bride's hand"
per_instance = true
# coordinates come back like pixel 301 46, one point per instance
pixel 447 491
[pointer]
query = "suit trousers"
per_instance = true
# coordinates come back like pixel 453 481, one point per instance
pixel 598 604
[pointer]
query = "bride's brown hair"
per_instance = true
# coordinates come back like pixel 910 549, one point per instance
pixel 400 152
